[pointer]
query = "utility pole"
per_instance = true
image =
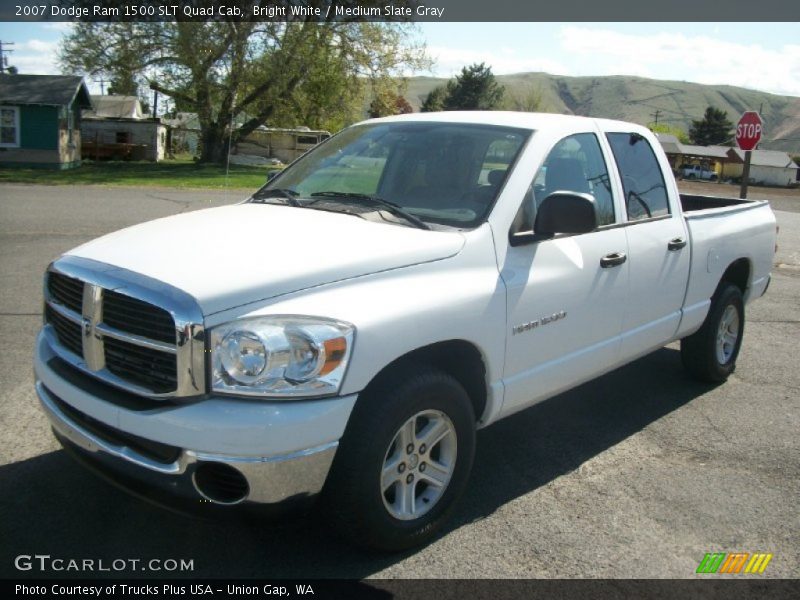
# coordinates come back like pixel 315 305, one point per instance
pixel 656 115
pixel 3 57
pixel 102 83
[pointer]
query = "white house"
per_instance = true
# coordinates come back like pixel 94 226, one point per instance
pixel 771 167
pixel 117 128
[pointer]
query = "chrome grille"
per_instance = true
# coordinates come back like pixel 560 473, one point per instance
pixel 128 330
pixel 137 317
pixel 152 369
pixel 68 332
pixel 66 291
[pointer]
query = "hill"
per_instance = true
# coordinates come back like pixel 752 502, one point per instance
pixel 637 99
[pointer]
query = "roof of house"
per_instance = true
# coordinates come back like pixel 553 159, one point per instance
pixel 49 90
pixel 706 151
pixel 765 158
pixel 115 107
pixel 762 158
pixel 669 142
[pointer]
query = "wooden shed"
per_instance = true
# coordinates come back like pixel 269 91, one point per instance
pixel 117 128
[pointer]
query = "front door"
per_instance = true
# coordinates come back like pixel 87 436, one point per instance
pixel 565 296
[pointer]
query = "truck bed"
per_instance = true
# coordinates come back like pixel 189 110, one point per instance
pixel 693 202
pixel 722 231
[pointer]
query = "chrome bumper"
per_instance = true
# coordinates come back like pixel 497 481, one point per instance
pixel 269 480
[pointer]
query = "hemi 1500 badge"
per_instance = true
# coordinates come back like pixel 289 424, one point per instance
pixel 522 328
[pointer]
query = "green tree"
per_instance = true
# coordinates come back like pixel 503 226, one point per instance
pixel 474 89
pixel 679 133
pixel 285 73
pixel 435 100
pixel 123 84
pixel 714 128
pixel 388 102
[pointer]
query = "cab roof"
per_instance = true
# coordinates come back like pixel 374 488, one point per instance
pixel 523 120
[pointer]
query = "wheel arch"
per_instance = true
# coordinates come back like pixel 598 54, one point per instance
pixel 738 273
pixel 459 358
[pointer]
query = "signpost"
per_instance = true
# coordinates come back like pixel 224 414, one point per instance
pixel 748 134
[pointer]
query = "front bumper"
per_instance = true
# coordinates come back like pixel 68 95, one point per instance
pixel 218 450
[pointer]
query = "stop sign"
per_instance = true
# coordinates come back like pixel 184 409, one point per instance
pixel 748 130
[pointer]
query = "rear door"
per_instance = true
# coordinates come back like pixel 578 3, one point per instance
pixel 658 249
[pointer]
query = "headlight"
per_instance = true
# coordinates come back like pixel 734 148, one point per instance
pixel 280 356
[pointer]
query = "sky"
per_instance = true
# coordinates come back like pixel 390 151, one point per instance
pixel 762 56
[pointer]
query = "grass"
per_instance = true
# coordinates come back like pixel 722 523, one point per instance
pixel 178 173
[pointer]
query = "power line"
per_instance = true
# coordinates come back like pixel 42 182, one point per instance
pixel 656 115
pixel 102 83
pixel 3 58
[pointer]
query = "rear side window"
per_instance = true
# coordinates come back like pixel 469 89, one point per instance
pixel 642 180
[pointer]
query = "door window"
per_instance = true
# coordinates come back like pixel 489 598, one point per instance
pixel 575 164
pixel 642 180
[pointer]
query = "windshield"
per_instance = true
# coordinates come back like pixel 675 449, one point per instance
pixel 441 173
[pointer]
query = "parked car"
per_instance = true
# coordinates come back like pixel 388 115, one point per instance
pixel 698 172
pixel 348 328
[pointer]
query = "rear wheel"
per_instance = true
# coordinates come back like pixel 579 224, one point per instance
pixel 710 354
pixel 404 460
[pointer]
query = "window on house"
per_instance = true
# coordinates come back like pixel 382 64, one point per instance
pixel 9 126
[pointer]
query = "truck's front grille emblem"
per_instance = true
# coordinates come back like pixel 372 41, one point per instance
pixel 93 351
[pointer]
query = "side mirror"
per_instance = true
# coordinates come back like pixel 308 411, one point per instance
pixel 565 212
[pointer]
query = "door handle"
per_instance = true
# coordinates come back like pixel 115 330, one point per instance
pixel 676 244
pixel 612 260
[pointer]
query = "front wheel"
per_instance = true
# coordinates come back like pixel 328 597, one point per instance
pixel 404 460
pixel 710 353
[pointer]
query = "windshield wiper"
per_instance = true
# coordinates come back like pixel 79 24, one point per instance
pixel 391 207
pixel 277 193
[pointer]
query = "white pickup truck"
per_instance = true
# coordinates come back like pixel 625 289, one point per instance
pixel 698 172
pixel 343 333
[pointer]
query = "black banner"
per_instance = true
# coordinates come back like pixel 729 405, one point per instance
pixel 381 589
pixel 400 10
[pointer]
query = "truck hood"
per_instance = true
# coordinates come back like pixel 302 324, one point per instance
pixel 233 255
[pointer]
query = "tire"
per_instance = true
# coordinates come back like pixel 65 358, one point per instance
pixel 364 495
pixel 710 353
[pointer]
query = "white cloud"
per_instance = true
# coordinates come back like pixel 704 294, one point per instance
pixel 701 59
pixel 449 61
pixel 35 57
pixel 39 46
pixel 62 26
